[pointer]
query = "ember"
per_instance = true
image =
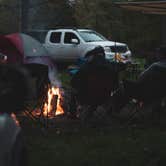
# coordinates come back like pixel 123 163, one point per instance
pixel 52 106
pixel 15 119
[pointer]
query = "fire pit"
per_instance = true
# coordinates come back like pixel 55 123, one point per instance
pixel 49 109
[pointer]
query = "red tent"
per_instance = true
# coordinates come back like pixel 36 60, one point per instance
pixel 14 55
pixel 23 49
pixel 19 47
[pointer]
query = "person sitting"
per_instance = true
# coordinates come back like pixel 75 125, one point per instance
pixel 13 92
pixel 151 82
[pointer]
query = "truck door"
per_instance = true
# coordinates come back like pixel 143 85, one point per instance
pixel 54 45
pixel 70 48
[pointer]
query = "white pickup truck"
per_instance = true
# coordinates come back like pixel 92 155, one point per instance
pixel 67 45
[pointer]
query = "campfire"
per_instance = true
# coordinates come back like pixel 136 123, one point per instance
pixel 52 107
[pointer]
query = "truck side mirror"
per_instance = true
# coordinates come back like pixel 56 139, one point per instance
pixel 75 41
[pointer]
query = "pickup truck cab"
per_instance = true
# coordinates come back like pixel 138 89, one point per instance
pixel 67 45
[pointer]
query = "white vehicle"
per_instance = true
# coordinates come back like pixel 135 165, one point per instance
pixel 66 45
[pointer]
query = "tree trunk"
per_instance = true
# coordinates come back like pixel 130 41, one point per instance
pixel 24 15
pixel 163 37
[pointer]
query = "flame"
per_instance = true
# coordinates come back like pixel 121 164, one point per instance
pixel 53 106
pixel 119 58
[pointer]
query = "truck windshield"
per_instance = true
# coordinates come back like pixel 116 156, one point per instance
pixel 91 36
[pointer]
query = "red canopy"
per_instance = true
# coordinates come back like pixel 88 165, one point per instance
pixel 17 47
pixel 7 47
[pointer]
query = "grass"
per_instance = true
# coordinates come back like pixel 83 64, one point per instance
pixel 82 146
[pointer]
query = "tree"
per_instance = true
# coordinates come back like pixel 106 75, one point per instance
pixel 9 16
pixel 22 15
pixel 24 7
pixel 130 27
pixel 52 13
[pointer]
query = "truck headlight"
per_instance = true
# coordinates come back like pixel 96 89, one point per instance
pixel 107 49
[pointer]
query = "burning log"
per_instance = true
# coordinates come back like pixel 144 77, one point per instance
pixel 52 106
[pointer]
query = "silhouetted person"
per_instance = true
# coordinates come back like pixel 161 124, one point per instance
pixel 150 85
pixel 96 79
pixel 13 93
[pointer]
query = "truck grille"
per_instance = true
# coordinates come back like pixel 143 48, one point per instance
pixel 119 49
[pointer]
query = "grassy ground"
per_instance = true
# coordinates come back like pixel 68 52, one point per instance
pixel 98 146
pixel 74 144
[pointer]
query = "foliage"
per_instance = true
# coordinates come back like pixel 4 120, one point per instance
pixel 133 28
pixel 140 31
pixel 9 16
pixel 50 14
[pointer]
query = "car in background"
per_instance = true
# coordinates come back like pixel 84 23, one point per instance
pixel 67 45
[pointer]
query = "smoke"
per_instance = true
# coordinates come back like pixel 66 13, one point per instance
pixel 46 61
pixel 53 77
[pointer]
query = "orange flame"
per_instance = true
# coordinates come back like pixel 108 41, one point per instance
pixel 53 106
pixel 119 58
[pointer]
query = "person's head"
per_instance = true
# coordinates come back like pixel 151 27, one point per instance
pixel 98 51
pixel 96 54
